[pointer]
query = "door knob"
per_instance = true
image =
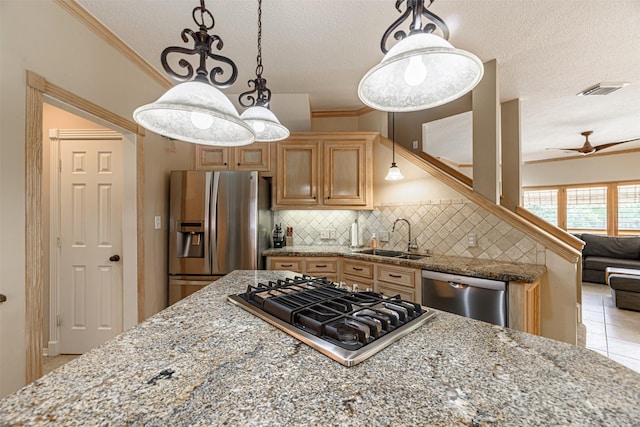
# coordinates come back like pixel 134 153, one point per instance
pixel 114 258
pixel 3 297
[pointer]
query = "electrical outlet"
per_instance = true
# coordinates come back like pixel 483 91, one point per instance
pixel 325 234
pixel 472 240
pixel 384 236
pixel 415 145
pixel 157 222
pixel 332 234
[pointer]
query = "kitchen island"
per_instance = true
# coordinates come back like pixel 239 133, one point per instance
pixel 204 361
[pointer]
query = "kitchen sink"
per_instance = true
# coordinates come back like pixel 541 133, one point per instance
pixel 409 256
pixel 391 254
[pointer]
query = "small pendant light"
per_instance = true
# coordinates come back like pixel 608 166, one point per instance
pixel 265 124
pixel 394 173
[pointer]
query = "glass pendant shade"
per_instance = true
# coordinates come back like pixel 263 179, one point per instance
pixel 394 173
pixel 419 72
pixel 265 124
pixel 195 112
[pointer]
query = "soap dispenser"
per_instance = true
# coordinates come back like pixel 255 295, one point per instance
pixel 374 241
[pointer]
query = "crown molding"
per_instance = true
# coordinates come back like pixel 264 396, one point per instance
pixel 325 114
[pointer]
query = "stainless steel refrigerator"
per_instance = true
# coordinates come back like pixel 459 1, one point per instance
pixel 218 222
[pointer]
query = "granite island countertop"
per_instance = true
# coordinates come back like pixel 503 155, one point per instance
pixel 476 267
pixel 231 368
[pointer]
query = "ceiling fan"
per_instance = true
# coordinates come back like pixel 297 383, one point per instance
pixel 587 148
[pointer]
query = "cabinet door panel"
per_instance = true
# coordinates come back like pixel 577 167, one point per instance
pixel 314 266
pixel 358 269
pixel 297 176
pixel 285 263
pixel 254 157
pixel 212 158
pixel 406 294
pixel 396 275
pixel 345 173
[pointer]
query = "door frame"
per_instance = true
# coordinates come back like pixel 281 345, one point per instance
pixel 38 88
pixel 56 136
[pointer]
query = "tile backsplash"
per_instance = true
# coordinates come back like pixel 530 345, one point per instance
pixel 441 226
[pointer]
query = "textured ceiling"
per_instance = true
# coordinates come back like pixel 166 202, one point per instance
pixel 547 51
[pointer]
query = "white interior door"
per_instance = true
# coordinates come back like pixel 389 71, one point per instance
pixel 90 269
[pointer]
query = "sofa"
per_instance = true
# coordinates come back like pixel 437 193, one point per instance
pixel 600 252
pixel 625 288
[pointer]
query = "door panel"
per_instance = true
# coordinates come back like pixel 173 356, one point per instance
pixel 297 175
pixel 91 232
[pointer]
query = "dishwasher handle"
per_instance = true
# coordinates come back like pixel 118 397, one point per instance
pixel 457 285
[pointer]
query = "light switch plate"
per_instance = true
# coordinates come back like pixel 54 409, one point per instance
pixel 384 236
pixel 157 222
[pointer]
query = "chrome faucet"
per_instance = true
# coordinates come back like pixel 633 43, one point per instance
pixel 410 244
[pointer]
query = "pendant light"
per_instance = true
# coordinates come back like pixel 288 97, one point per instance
pixel 196 111
pixel 265 124
pixel 394 173
pixel 423 70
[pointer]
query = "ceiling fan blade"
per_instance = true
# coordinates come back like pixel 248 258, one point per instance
pixel 570 150
pixel 587 148
pixel 611 144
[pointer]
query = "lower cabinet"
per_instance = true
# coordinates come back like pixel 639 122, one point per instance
pixel 387 279
pixel 358 273
pixel 313 266
pixel 524 306
pixel 396 280
pixel 322 267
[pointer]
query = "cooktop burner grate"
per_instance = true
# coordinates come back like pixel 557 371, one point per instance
pixel 345 325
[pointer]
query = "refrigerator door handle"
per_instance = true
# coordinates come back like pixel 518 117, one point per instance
pixel 213 225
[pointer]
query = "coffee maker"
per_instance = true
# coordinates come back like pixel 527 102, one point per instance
pixel 278 236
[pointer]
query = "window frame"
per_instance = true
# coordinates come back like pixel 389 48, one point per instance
pixel 612 204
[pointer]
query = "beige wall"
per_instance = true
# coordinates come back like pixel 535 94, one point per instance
pixel 617 167
pixel 334 124
pixel 40 36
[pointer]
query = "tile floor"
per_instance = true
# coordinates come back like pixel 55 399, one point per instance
pixel 54 362
pixel 611 331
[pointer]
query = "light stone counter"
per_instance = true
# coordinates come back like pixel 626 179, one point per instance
pixel 231 368
pixel 476 267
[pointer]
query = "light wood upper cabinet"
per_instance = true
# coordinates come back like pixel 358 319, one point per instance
pixel 331 170
pixel 211 157
pixel 346 181
pixel 253 157
pixel 297 176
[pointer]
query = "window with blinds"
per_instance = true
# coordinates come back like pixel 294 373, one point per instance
pixel 543 203
pixel 629 207
pixel 587 209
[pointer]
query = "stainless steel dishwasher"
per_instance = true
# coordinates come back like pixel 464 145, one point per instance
pixel 481 299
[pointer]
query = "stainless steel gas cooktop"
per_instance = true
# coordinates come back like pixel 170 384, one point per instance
pixel 345 325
